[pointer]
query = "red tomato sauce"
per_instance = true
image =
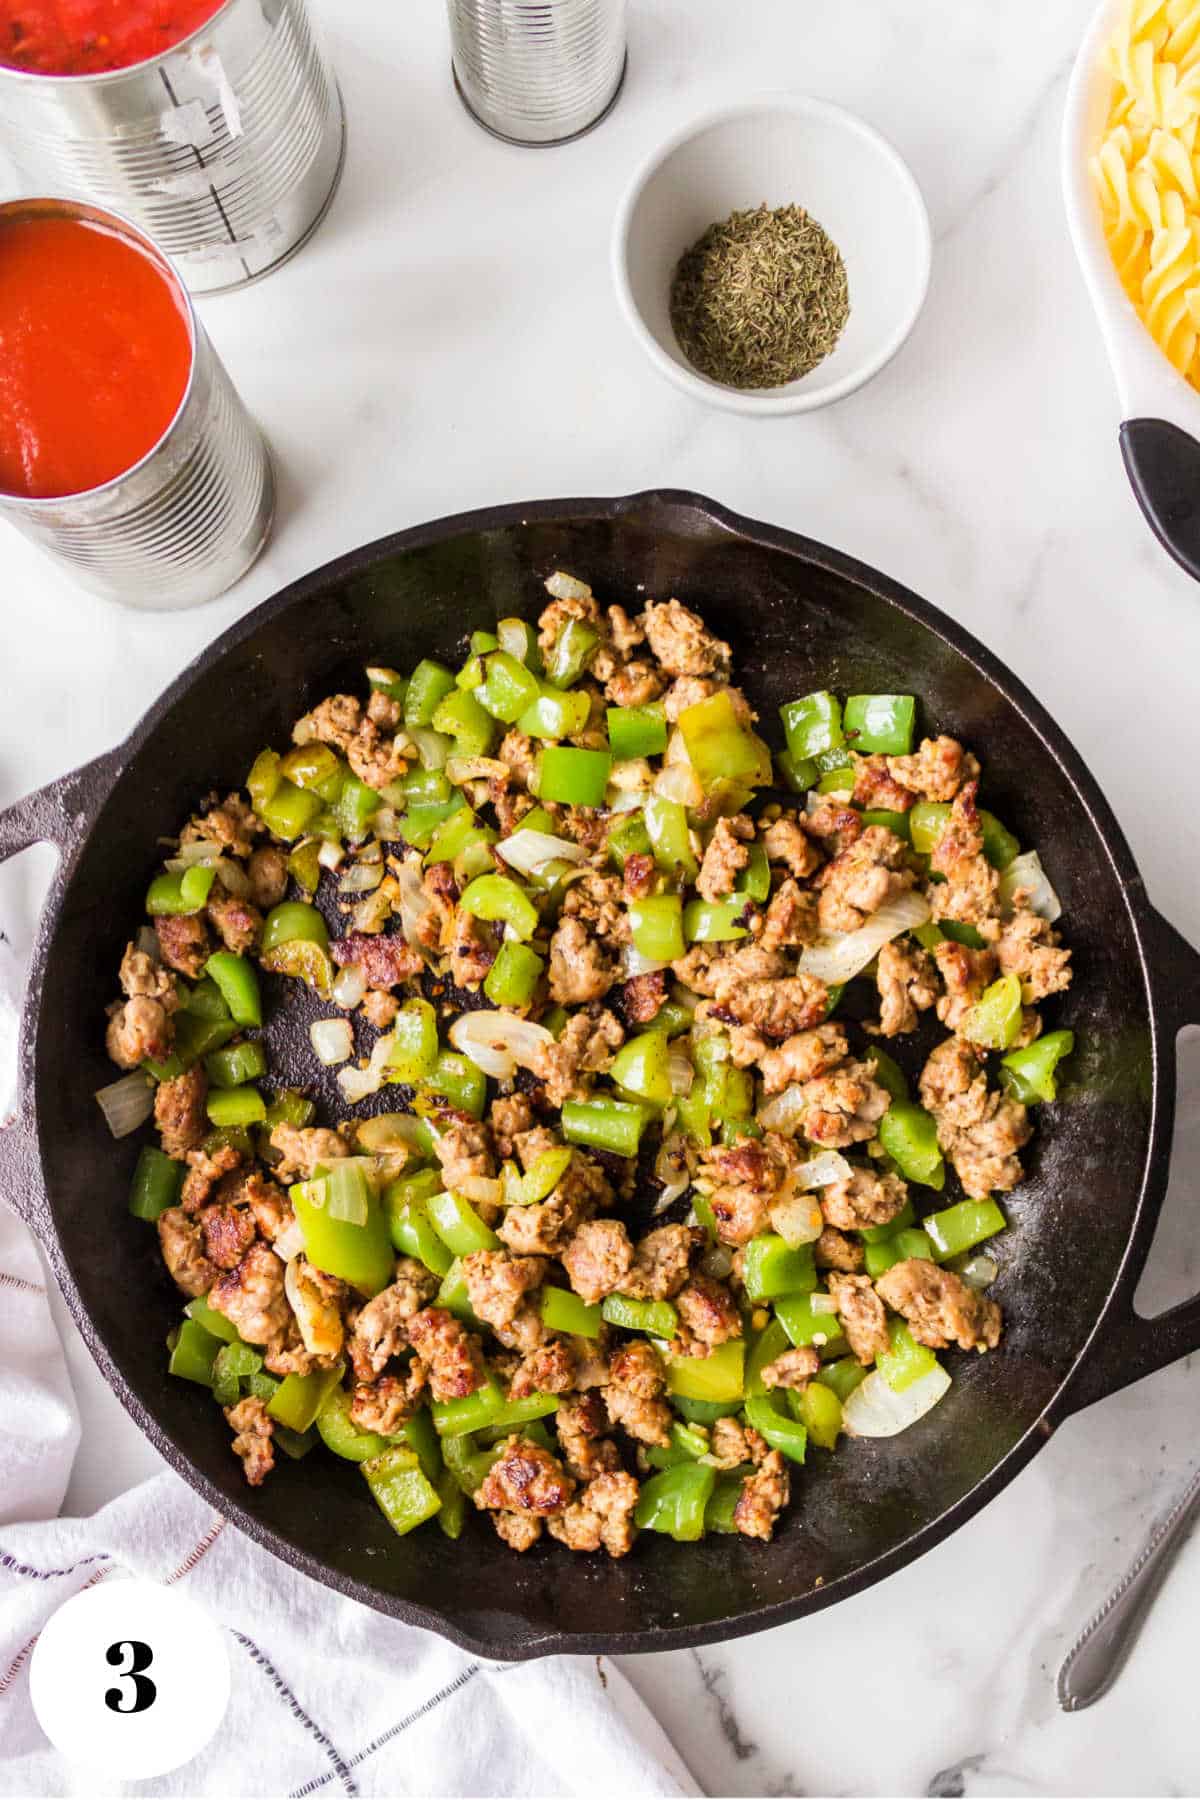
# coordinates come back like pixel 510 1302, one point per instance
pixel 89 37
pixel 95 354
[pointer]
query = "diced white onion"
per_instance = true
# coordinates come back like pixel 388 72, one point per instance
pixel 679 1065
pixel 357 1084
pixel 822 1303
pixel 290 1241
pixel 233 878
pixel 330 855
pixel 797 1220
pixel 415 903
pixel 823 1170
pixel 194 854
pixel 673 1168
pixel 717 1262
pixel 386 825
pixel 332 1040
pixel 497 1042
pixel 361 878
pixel 480 1187
pixel 513 636
pixel 634 963
pixel 147 942
pixel 388 1132
pixel 875 1410
pixel 679 781
pixel 1027 872
pixel 474 768
pixel 531 851
pixel 373 912
pixel 784 1112
pixel 980 1271
pixel 433 747
pixel 565 587
pixel 349 986
pixel 841 955
pixel 127 1103
pixel 620 800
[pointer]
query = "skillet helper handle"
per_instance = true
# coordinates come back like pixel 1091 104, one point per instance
pixel 1163 465
pixel 1129 1346
pixel 57 814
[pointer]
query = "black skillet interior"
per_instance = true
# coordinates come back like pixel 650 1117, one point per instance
pixel 797 621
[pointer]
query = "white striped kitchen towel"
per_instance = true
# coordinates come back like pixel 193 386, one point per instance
pixel 328 1697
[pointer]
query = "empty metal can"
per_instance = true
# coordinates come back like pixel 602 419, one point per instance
pixel 538 71
pixel 226 148
pixel 185 522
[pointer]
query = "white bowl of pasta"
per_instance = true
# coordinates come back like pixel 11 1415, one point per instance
pixel 1131 181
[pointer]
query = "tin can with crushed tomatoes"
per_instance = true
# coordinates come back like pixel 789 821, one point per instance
pixel 215 125
pixel 125 451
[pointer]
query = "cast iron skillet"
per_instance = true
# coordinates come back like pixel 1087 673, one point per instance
pixel 799 616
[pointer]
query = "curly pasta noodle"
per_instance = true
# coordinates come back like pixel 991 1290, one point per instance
pixel 1147 171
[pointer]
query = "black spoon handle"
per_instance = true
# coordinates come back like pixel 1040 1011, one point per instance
pixel 1163 465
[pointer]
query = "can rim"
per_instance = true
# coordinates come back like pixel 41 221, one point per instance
pixel 98 76
pixel 56 206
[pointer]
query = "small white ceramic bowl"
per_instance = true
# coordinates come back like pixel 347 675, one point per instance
pixel 781 150
pixel 1160 411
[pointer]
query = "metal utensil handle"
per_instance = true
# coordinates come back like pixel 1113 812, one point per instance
pixel 1128 1346
pixel 57 814
pixel 1099 1652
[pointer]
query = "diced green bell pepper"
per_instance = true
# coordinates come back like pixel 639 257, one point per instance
pixel 519 638
pixel 459 1225
pixel 880 1234
pixel 314 766
pixel 628 837
pixel 705 1412
pixel 895 822
pixel 720 747
pixel 667 828
pixel 489 1406
pixel 497 897
pixel 842 1376
pixel 452 1517
pixel 419 1434
pixel 880 724
pixel 513 978
pixel 656 924
pixel 906 1361
pixel 569 654
pixel 459 1082
pixel 509 688
pixel 555 715
pixel 215 1323
pixel 235 1362
pixel 561 1310
pixel 803 1323
pixel 909 1135
pixel 461 717
pixel 1029 1074
pixel 194 1353
pixel 387 681
pixel 205 1000
pixel 836 781
pixel 716 921
pixel 356 806
pixel 539 1180
pixel 770 1343
pixel 238 981
pixel 820 1412
pixel 766 1414
pixel 410 1226
pixel 304 865
pixel 428 686
pixel 961 1227
pixel 235 1106
pixel 642 1067
pixel 812 724
pixel 656 1317
pixel 637 730
pixel 722 1504
pixel 403 1494
pixel 157 1183
pixel 604 1124
pixel 300 1398
pixel 414 1034
pixel 423 822
pixel 185 891
pixel 770 1268
pixel 995 1019
pixel 237 1064
pixel 290 810
pixel 292 921
pixel 289 1108
pixel 755 878
pixel 673 1501
pixel 572 776
pixel 263 778
pixel 717 1376
pixel 687 1445
pixel 361 1255
pixel 888 1073
pixel 799 777
pixel 902 1247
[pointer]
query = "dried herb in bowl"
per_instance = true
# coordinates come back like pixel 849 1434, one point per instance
pixel 760 299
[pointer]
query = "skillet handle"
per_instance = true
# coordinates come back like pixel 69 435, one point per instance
pixel 57 814
pixel 1163 465
pixel 1127 1345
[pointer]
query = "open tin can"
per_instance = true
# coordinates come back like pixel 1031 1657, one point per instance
pixel 538 72
pixel 185 521
pixel 226 148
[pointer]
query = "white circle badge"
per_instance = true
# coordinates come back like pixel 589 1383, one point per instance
pixel 130 1678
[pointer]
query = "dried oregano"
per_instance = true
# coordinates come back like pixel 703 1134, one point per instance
pixel 760 299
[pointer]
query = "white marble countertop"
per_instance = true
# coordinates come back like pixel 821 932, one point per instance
pixel 450 339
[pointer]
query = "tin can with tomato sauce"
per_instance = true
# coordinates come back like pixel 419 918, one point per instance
pixel 226 145
pixel 180 495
